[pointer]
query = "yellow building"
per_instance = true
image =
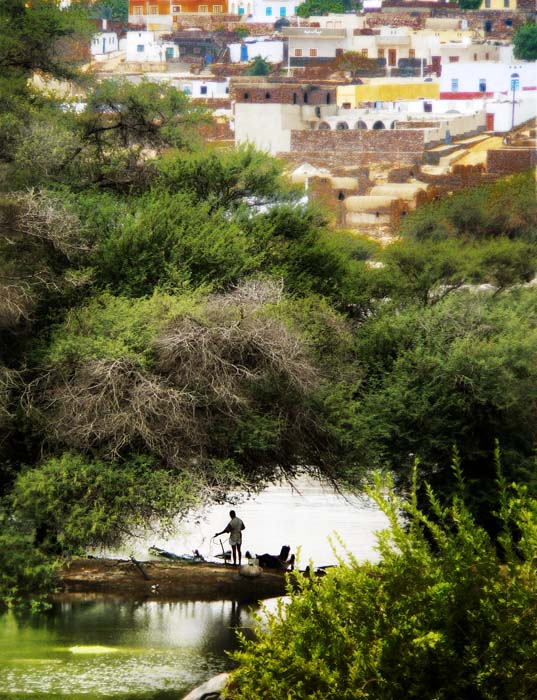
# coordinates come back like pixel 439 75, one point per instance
pixel 351 96
pixel 498 5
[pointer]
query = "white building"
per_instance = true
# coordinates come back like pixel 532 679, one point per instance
pixel 263 10
pixel 147 46
pixel 271 50
pixel 463 79
pixel 104 44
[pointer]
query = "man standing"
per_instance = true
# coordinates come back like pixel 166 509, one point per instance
pixel 235 528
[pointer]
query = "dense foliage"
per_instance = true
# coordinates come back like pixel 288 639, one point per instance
pixel 445 614
pixel 525 42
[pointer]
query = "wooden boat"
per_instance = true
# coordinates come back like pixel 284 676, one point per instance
pixel 194 558
pixel 169 579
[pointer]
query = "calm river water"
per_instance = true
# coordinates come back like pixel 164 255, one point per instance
pixel 100 648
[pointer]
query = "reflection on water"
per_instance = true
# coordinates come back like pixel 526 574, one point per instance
pixel 108 648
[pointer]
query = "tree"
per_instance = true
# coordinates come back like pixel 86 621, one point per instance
pixel 506 208
pixel 115 10
pixel 470 4
pixel 321 7
pixel 260 66
pixel 355 63
pixel 525 42
pixel 209 394
pixel 461 372
pixel 448 612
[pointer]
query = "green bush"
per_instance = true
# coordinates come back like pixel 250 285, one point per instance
pixel 443 615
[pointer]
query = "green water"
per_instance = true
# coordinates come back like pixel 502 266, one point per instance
pixel 115 649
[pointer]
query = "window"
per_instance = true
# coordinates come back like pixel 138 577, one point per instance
pixel 203 8
pixel 454 85
pixel 246 95
pixel 487 56
pixel 482 85
pixel 298 52
pixel 453 59
pixel 506 3
pixel 268 11
pixel 176 8
pixel 217 9
pixel 475 57
pixel 313 53
pixel 380 53
pixel 153 9
pixel 364 53
pixel 339 52
pixel 412 53
pixel 203 89
pixel 282 11
pixel 267 96
pixel 140 48
pixel 487 3
pixel 295 9
pixel 137 11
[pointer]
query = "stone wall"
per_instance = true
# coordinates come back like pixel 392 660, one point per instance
pixel 506 161
pixel 278 92
pixel 357 148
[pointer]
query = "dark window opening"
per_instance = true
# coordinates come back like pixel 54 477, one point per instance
pixel 267 96
pixel 246 95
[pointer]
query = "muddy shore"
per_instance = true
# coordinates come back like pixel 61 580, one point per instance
pixel 168 579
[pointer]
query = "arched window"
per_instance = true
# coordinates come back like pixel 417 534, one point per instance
pixel 392 125
pixel 360 125
pixel 341 126
pixel 379 125
pixel 323 126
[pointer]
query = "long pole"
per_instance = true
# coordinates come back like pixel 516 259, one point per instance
pixel 513 109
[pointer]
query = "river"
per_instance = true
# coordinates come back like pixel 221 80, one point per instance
pixel 104 648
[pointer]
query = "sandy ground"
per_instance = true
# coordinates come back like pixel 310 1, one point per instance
pixel 169 580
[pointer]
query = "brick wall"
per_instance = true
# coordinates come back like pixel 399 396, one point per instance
pixel 281 93
pixel 358 148
pixel 506 161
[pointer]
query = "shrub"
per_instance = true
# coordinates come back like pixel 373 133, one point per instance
pixel 443 615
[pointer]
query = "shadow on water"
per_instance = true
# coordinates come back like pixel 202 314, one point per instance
pixel 104 649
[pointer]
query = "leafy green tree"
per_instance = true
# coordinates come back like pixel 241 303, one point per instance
pixel 34 36
pixel 207 393
pixel 260 66
pixel 115 10
pixel 355 63
pixel 525 42
pixel 442 615
pixel 321 7
pixel 225 178
pixel 505 208
pixel 459 372
pixel 426 271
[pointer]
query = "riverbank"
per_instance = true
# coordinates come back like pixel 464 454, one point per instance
pixel 168 579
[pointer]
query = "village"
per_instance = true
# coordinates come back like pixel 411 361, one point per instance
pixel 374 112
